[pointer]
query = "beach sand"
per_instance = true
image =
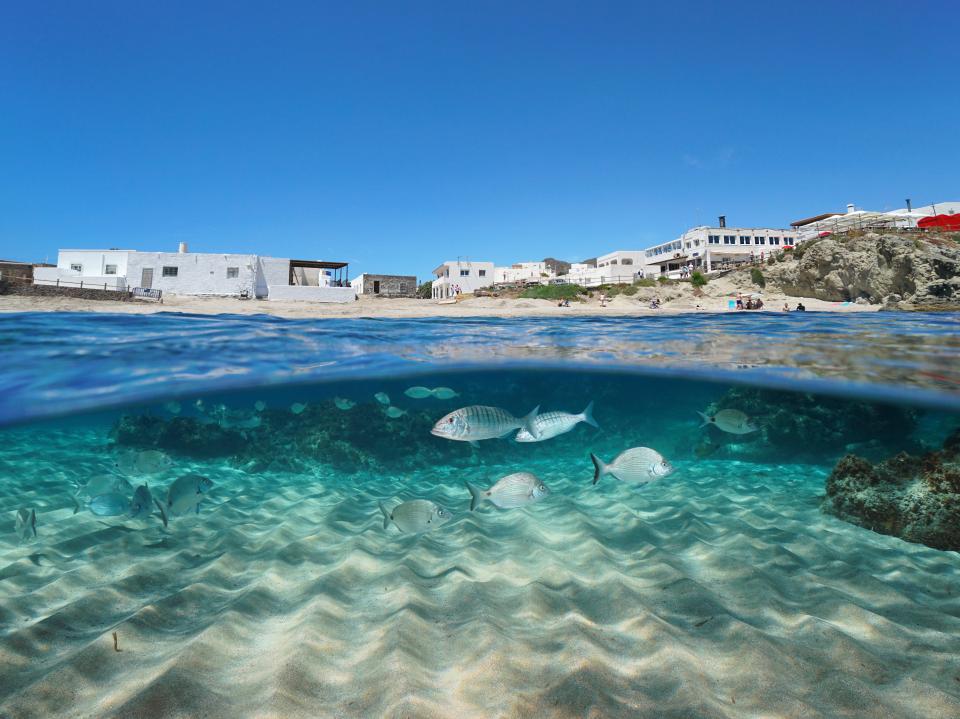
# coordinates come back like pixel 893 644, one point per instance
pixel 719 592
pixel 675 298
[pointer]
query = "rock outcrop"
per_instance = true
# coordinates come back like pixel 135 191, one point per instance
pixel 914 498
pixel 898 269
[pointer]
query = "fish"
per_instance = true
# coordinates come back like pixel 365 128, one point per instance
pixel 552 424
pixel 26 524
pixel 382 397
pixel 186 493
pixel 732 421
pixel 445 393
pixel 344 404
pixel 395 412
pixel 415 516
pixel 112 504
pixel 199 405
pixel 172 407
pixel 638 465
pixel 418 392
pixel 471 424
pixel 514 490
pixel 142 503
pixel 237 420
pixel 104 484
pixel 259 405
pixel 297 407
pixel 149 461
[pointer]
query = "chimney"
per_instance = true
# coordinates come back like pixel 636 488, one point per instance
pixel 723 220
pixel 850 208
pixel 182 249
pixel 909 205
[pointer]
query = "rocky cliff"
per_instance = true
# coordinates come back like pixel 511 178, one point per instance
pixel 898 269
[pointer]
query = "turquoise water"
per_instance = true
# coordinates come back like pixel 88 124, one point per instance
pixel 720 590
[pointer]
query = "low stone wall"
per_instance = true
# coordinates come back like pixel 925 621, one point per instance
pixel 28 289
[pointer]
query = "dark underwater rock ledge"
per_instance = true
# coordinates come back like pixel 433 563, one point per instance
pixel 914 498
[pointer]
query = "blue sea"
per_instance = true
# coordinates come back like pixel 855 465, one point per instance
pixel 263 579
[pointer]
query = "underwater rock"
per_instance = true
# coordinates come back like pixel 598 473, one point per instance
pixel 914 498
pixel 183 435
pixel 805 426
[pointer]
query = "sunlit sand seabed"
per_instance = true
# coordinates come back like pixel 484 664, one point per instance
pixel 718 591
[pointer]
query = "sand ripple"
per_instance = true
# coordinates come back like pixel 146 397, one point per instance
pixel 721 592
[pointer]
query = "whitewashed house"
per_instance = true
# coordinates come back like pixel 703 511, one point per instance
pixel 460 277
pixel 200 273
pixel 525 272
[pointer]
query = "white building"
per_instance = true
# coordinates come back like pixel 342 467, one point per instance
pixel 854 219
pixel 461 277
pixel 712 248
pixel 618 268
pixel 526 272
pixel 200 273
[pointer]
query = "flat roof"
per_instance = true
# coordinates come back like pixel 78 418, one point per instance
pixel 318 264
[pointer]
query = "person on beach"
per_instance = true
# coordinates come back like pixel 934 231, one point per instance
pixel 786 307
pixel 739 301
pixel 603 300
pixel 800 307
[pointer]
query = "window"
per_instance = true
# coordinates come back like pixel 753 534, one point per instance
pixel 744 239
pixel 774 240
pixel 483 273
pixel 76 268
pixel 613 262
pixel 464 273
pixel 376 287
pixel 729 239
pixel 403 287
pixel 627 261
pixel 714 239
pixel 170 271
pixel 233 273
pixel 109 269
pixel 761 240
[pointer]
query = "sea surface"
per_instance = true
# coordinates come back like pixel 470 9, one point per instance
pixel 283 588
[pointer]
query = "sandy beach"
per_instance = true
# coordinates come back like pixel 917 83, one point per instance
pixel 675 299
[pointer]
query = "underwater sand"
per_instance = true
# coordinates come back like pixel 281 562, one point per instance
pixel 720 591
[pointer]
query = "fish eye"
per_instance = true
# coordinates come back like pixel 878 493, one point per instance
pixel 450 420
pixel 542 487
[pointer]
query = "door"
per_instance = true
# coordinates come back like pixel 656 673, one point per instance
pixel 376 287
pixel 146 278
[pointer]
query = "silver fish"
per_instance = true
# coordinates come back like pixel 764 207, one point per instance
pixel 344 404
pixel 149 461
pixel 639 465
pixel 104 484
pixel 172 407
pixel 186 493
pixel 297 407
pixel 109 505
pixel 394 412
pixel 514 490
pixel 418 392
pixel 732 421
pixel 382 397
pixel 26 524
pixel 259 405
pixel 471 424
pixel 444 393
pixel 552 424
pixel 415 516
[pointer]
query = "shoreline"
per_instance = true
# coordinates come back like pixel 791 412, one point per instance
pixel 380 307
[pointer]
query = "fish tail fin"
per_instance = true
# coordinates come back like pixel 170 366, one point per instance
pixel 163 514
pixel 33 521
pixel 588 416
pixel 386 516
pixel 476 496
pixel 530 423
pixel 76 505
pixel 599 468
pixel 706 419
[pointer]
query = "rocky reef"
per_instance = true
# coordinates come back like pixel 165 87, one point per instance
pixel 916 498
pixel 898 269
pixel 801 426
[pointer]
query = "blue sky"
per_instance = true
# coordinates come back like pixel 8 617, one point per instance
pixel 398 135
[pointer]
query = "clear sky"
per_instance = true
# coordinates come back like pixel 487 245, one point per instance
pixel 396 135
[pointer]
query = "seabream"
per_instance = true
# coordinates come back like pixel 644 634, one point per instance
pixel 552 424
pixel 639 465
pixel 732 421
pixel 477 422
pixel 415 516
pixel 514 490
pixel 26 524
pixel 186 494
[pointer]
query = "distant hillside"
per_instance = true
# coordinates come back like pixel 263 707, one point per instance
pixel 559 267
